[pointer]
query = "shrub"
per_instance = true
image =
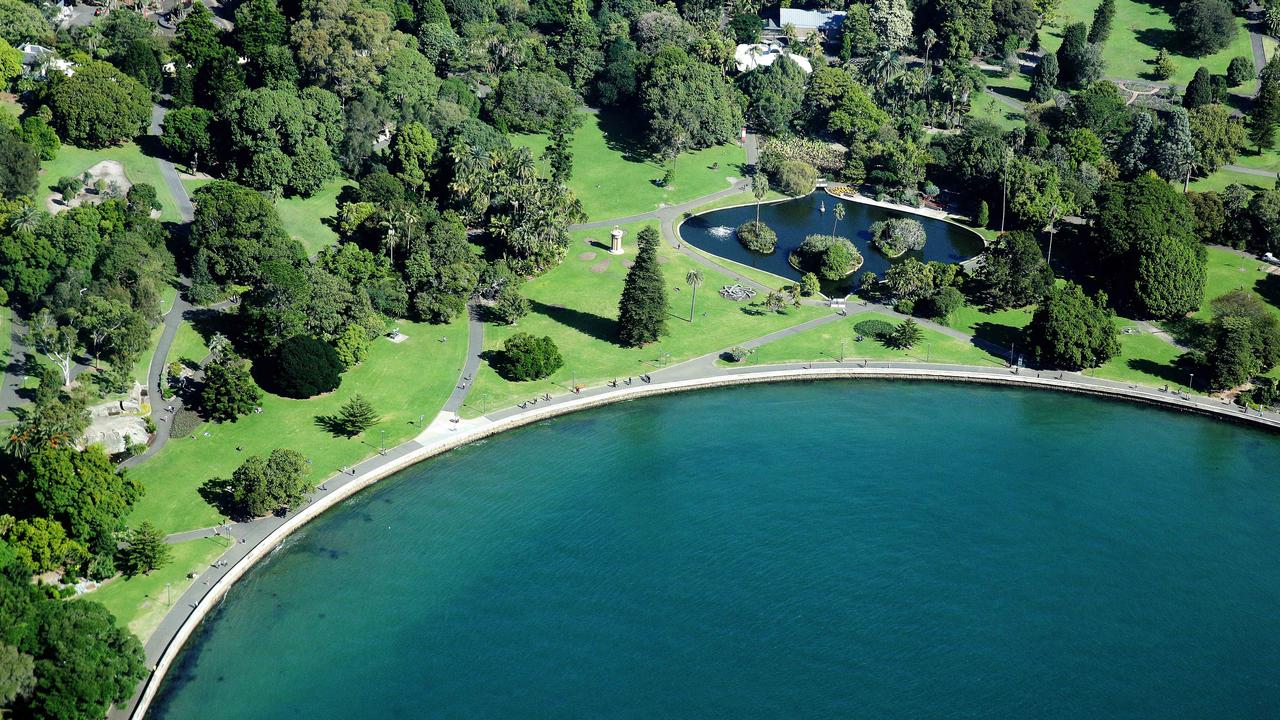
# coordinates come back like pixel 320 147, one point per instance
pixel 905 336
pixel 809 285
pixel 525 357
pixel 68 187
pixel 795 178
pixel 940 304
pixel 185 422
pixel 878 329
pixel 757 237
pixel 898 236
pixel 1164 67
pixel 509 305
pixel 303 367
pixel 983 216
pixel 1240 71
pixel 905 306
pixel 824 156
pixel 830 257
pixel 737 354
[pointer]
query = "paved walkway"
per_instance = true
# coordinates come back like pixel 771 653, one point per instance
pixel 172 320
pixel 255 539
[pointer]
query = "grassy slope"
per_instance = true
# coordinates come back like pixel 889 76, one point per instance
pixel 1222 178
pixel 614 178
pixel 72 161
pixel 583 325
pixel 823 343
pixel 303 218
pixel 1229 271
pixel 306 218
pixel 188 345
pixel 140 603
pixel 1138 31
pixel 402 381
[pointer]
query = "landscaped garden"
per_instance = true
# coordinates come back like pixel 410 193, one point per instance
pixel 403 381
pixel 827 342
pixel 1139 30
pixel 140 602
pixel 576 304
pixel 615 175
pixel 138 167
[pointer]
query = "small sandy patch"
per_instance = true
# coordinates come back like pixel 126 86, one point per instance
pixel 587 256
pixel 114 183
pixel 600 267
pixel 627 264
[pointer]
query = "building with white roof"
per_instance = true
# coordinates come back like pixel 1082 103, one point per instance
pixel 750 57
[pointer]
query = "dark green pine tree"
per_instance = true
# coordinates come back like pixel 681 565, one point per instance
pixel 1199 90
pixel 147 550
pixel 642 312
pixel 1045 79
pixel 1100 30
pixel 1265 113
pixel 357 415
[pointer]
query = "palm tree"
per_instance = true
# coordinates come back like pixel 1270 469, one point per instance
pixel 694 279
pixel 886 65
pixel 930 38
pixel 839 215
pixel 26 218
pixel 759 188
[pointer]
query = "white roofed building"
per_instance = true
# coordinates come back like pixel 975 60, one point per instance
pixel 750 57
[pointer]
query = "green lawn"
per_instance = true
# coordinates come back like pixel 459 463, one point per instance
pixel 188 346
pixel 72 161
pixel 307 218
pixel 1229 271
pixel 1222 178
pixel 614 177
pixel 985 107
pixel 140 603
pixel 1003 327
pixel 1138 31
pixel 823 344
pixel 576 305
pixel 1144 359
pixel 402 381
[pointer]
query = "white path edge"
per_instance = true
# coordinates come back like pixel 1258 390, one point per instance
pixel 444 434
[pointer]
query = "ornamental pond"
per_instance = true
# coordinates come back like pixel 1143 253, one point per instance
pixel 796 218
pixel 838 549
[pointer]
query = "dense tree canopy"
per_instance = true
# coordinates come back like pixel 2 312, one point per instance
pixel 99 106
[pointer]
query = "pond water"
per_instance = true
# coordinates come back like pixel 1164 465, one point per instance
pixel 796 218
pixel 825 550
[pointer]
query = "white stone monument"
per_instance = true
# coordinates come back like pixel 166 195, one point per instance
pixel 615 235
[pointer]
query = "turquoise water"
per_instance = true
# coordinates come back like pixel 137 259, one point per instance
pixel 850 550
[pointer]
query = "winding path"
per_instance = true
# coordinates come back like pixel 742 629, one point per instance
pixel 173 319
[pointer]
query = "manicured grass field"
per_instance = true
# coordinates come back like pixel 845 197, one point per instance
pixel 306 219
pixel 1002 328
pixel 140 168
pixel 1222 178
pixel 140 603
pixel 985 107
pixel 576 304
pixel 403 381
pixel 1230 271
pixel 188 346
pixel 1144 359
pixel 823 344
pixel 1138 31
pixel 614 176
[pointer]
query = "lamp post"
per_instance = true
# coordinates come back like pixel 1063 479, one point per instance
pixel 1192 382
pixel 383 449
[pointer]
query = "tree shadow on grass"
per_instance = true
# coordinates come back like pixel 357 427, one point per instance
pixel 623 134
pixel 594 326
pixel 1176 373
pixel 1185 330
pixel 1269 288
pixel 1156 38
pixel 997 334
